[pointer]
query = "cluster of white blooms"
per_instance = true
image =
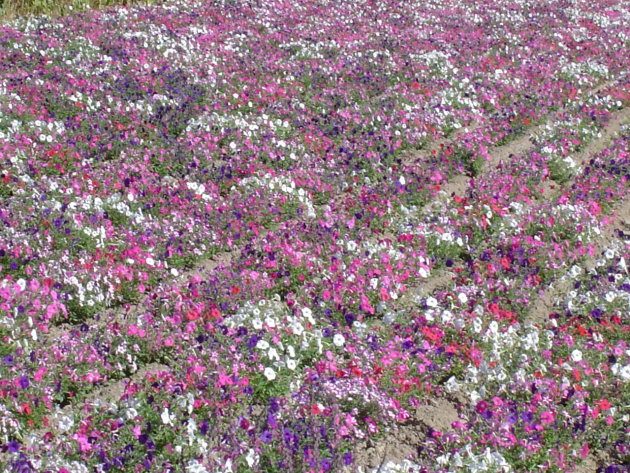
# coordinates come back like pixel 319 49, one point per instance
pixel 622 371
pixel 9 426
pixel 488 461
pixel 9 128
pixel 283 184
pixel 90 289
pixel 552 133
pixel 146 106
pixel 117 202
pixel 405 466
pixel 583 72
pixel 611 263
pixel 47 131
pixel 255 314
pixel 199 189
pixel 271 314
pixel 460 95
pixel 437 61
pixel 516 346
pixel 302 49
pixel 604 101
pixel 194 466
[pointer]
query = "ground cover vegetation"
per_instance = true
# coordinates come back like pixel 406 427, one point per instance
pixel 317 236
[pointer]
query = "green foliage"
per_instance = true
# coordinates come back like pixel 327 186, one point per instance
pixel 5 190
pixel 6 347
pixel 78 313
pixel 559 171
pixel 10 9
pixel 117 218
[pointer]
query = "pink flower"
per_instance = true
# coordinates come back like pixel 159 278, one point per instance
pixel 82 440
pixel 39 375
pixel 547 417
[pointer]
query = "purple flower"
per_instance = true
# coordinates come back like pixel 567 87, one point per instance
pixel 13 446
pixel 253 340
pixel 22 465
pixel 272 421
pixel 266 436
pixel 347 458
pixel 24 382
pixel 203 428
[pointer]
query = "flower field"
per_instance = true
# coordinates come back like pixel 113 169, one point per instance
pixel 373 236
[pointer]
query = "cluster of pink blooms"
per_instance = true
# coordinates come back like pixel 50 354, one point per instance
pixel 220 222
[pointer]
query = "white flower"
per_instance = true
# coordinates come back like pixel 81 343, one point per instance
pixel 257 323
pixel 463 298
pixel 150 261
pixel 308 314
pixel 432 302
pixel 297 328
pixel 22 284
pixel 262 344
pixel 65 423
pixel 251 457
pixel 269 373
pixel 166 417
pixel 575 271
pixel 195 467
pixel 443 459
pixel 291 364
pixel 272 354
pixel 130 413
pixel 493 327
pixel 339 340
pixel 576 356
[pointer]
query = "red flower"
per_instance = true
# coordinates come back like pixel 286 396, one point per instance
pixel 603 404
pixel 192 314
